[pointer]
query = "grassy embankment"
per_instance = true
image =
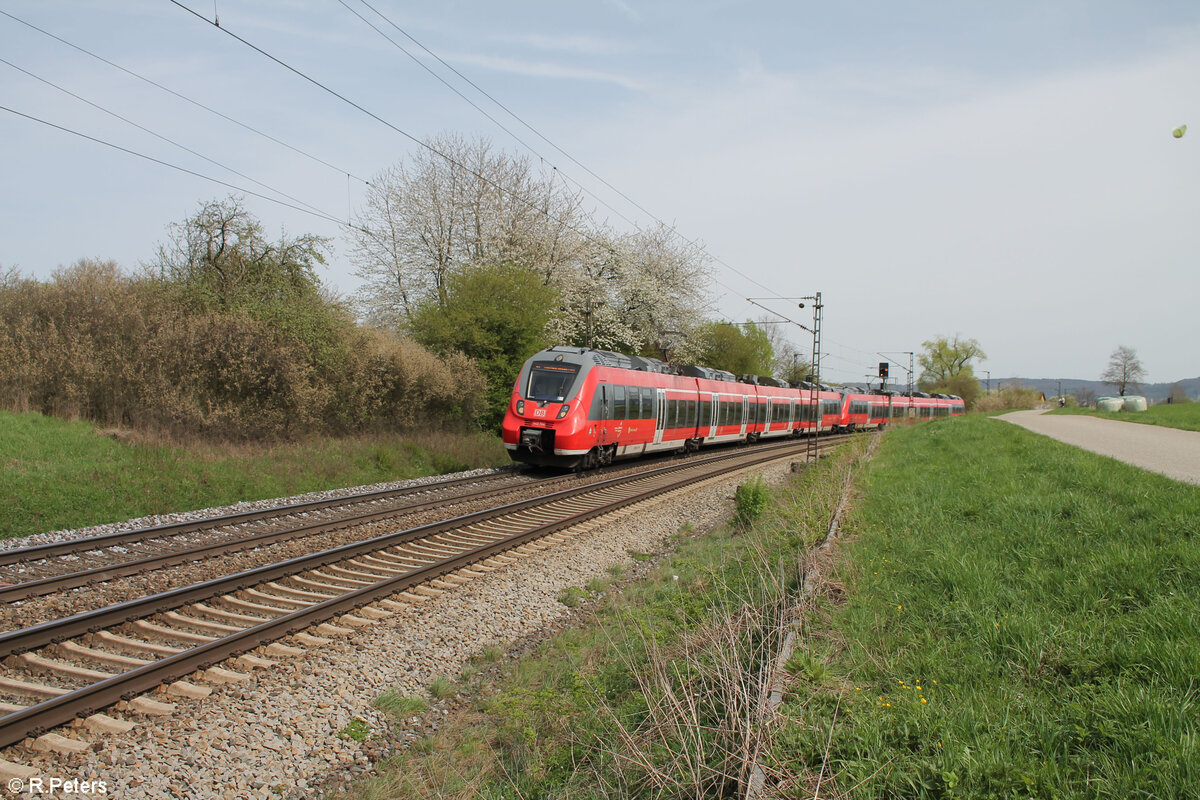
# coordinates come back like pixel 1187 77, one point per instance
pixel 1023 620
pixel 1009 617
pixel 56 474
pixel 1181 415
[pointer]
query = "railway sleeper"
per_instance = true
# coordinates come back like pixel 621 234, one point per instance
pixel 232 616
pixel 293 602
pixel 36 662
pixel 170 634
pixel 317 596
pixel 342 583
pixel 237 602
pixel 136 645
pixel 202 624
pixel 116 659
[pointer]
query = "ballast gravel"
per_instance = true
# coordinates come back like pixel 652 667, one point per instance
pixel 284 734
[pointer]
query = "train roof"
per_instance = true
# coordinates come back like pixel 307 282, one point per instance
pixel 694 371
pixel 607 358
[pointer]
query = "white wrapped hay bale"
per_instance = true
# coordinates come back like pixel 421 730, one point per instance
pixel 1135 402
pixel 1110 403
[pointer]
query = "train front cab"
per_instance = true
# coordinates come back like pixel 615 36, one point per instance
pixel 539 426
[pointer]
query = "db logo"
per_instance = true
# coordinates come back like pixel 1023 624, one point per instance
pixel 539 412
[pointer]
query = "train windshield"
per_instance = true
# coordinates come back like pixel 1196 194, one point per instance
pixel 551 381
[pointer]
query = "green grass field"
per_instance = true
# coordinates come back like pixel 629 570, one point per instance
pixel 1181 415
pixel 58 474
pixel 1023 620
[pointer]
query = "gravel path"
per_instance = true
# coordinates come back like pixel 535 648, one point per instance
pixel 278 735
pixel 1167 451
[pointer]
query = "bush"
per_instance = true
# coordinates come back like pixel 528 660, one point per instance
pixel 1010 399
pixel 118 350
pixel 751 499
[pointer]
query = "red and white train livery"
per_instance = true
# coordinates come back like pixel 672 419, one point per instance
pixel 577 407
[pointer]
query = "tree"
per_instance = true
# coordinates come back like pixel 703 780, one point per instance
pixel 434 217
pixel 497 316
pixel 1124 370
pixel 221 260
pixel 1085 397
pixel 1177 394
pixel 790 363
pixel 791 366
pixel 633 293
pixel 946 367
pixel 457 205
pixel 740 349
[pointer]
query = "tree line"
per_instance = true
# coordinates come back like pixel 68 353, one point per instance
pixel 471 259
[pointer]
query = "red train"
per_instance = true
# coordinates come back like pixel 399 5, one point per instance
pixel 576 407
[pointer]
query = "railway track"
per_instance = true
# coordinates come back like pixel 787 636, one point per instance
pixel 69 668
pixel 47 568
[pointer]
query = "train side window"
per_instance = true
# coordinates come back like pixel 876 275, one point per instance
pixel 633 402
pixel 618 402
pixel 647 403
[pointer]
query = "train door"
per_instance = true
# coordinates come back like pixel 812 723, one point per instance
pixel 745 413
pixel 604 423
pixel 660 420
pixel 712 415
pixel 767 421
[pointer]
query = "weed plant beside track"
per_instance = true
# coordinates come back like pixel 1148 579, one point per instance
pixel 1023 620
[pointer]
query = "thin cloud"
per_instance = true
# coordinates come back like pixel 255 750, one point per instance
pixel 625 9
pixel 591 45
pixel 545 69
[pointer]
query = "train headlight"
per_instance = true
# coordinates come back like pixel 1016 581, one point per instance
pixel 562 412
pixel 520 406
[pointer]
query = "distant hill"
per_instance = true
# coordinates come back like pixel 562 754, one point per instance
pixel 1153 392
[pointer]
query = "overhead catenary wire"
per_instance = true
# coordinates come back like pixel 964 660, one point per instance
pixel 163 138
pixel 168 164
pixel 477 107
pixel 184 97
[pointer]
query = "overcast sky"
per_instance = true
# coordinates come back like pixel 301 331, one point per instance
pixel 1003 171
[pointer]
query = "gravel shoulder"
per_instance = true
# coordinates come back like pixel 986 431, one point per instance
pixel 1167 451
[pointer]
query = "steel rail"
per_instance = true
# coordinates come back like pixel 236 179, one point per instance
pixel 71 580
pixel 86 700
pixel 86 543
